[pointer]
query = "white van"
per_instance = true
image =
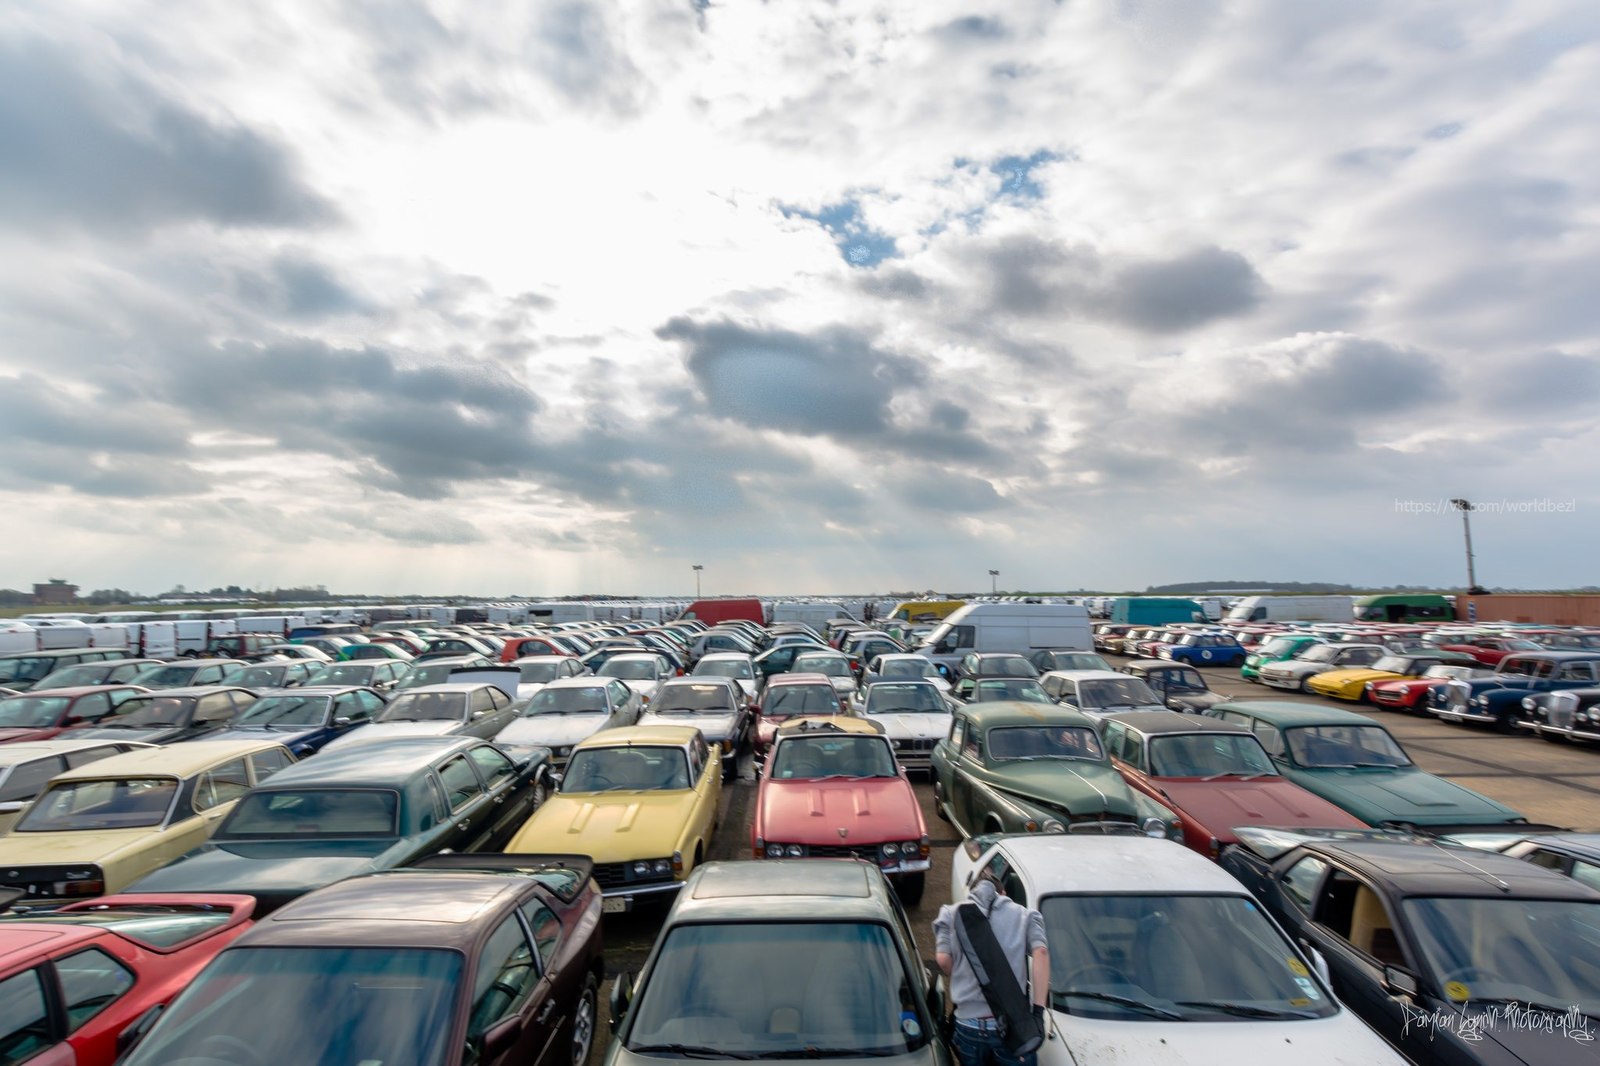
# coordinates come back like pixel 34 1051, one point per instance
pixel 1293 609
pixel 1013 627
pixel 815 615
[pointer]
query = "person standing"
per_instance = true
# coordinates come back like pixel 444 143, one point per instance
pixel 980 1039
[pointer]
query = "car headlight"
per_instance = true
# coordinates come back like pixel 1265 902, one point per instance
pixel 910 848
pixel 891 850
pixel 640 869
pixel 1482 701
pixel 563 751
pixel 661 866
pixel 774 851
pixel 1052 825
pixel 1527 703
pixel 794 851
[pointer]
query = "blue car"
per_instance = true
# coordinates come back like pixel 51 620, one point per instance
pixel 1205 649
pixel 304 719
pixel 1497 699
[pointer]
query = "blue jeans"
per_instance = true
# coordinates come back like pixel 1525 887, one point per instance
pixel 982 1047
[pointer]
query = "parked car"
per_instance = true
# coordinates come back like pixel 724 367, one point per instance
pixel 168 716
pixel 990 689
pixel 832 789
pixel 74 978
pixel 1097 692
pixel 1205 649
pixel 438 671
pixel 569 709
pixel 380 675
pixel 1145 936
pixel 1051 659
pixel 1356 684
pixel 1353 762
pixel 834 664
pixel 360 810
pixel 300 651
pixel 250 647
pixel 1296 674
pixel 780 658
pixel 1488 649
pixel 1280 648
pixel 486 960
pixel 456 646
pixel 27 767
pixel 458 709
pixel 278 673
pixel 1411 693
pixel 304 719
pixel 389 648
pixel 790 959
pixel 1566 714
pixel 1178 686
pixel 720 640
pixel 189 673
pixel 40 714
pixel 1214 774
pixel 715 705
pixel 1430 944
pixel 900 666
pixel 733 665
pixel 786 696
pixel 21 671
pixel 641 671
pixel 914 715
pixel 537 671
pixel 1495 700
pixel 97 828
pixel 1022 767
pixel 106 672
pixel 995 664
pixel 641 801
pixel 1576 855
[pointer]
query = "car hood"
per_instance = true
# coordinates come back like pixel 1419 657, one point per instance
pixel 1081 786
pixel 715 726
pixel 918 725
pixel 1361 676
pixel 12 735
pixel 609 826
pixel 838 812
pixel 270 866
pixel 1194 701
pixel 1222 804
pixel 551 730
pixel 1379 794
pixel 436 727
pixel 1529 1036
pixel 1342 1040
pixel 66 848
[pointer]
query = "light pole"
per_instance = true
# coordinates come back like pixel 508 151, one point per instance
pixel 994 584
pixel 697 569
pixel 1466 529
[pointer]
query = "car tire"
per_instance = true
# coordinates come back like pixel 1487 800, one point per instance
pixel 541 790
pixel 1305 686
pixel 938 799
pixel 909 888
pixel 585 1018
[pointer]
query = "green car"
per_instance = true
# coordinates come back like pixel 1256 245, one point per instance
pixel 1011 767
pixel 1276 650
pixel 1351 761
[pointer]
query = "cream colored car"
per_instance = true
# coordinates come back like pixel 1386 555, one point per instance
pixel 26 768
pixel 100 827
pixel 641 801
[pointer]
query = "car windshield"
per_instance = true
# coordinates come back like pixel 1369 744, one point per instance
pixel 1014 743
pixel 1124 692
pixel 150 712
pixel 1394 664
pixel 116 803
pixel 630 669
pixel 1449 673
pixel 1527 951
pixel 82 674
pixel 425 707
pixel 24 669
pixel 832 665
pixel 32 712
pixel 689 698
pixel 303 813
pixel 1149 958
pixel 1344 746
pixel 782 990
pixel 159 925
pixel 260 676
pixel 917 667
pixel 832 755
pixel 1209 755
pixel 350 1005
pixel 801 699
pixel 588 699
pixel 1025 689
pixel 169 676
pixel 537 673
pixel 1181 681
pixel 1007 666
pixel 344 674
pixel 888 697
pixel 630 769
pixel 285 710
pixel 1077 660
pixel 429 674
pixel 735 668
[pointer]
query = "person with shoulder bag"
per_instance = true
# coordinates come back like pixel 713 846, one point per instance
pixel 988 948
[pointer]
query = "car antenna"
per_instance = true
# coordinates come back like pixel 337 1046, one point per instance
pixel 1494 879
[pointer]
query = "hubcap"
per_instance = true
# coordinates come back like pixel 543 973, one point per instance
pixel 583 1028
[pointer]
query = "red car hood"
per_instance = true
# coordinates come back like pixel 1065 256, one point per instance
pixel 10 736
pixel 1273 801
pixel 869 810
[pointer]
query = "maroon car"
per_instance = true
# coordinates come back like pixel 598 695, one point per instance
pixel 46 713
pixel 789 696
pixel 480 959
pixel 1215 775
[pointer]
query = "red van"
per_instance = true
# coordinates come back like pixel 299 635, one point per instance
pixel 713 611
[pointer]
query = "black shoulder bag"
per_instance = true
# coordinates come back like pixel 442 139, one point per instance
pixel 1007 1002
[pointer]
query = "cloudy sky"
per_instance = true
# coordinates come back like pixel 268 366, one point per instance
pixel 553 296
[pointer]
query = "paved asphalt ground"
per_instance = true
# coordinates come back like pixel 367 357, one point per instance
pixel 1557 784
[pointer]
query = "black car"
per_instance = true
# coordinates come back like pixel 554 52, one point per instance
pixel 170 715
pixel 1453 955
pixel 1178 685
pixel 306 718
pixel 278 673
pixel 481 959
pixel 361 810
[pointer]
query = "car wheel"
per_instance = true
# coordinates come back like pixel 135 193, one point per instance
pixel 909 888
pixel 938 800
pixel 541 790
pixel 1305 685
pixel 583 1022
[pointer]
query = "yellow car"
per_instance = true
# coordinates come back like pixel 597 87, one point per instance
pixel 641 801
pixel 99 827
pixel 1352 684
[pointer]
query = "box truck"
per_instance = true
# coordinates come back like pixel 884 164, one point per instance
pixel 1013 627
pixel 1155 610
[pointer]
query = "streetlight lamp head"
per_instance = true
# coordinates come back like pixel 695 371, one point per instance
pixel 1462 504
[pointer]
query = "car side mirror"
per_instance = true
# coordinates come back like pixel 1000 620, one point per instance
pixel 621 997
pixel 1320 964
pixel 12 806
pixel 1398 982
pixel 136 1031
pixel 343 719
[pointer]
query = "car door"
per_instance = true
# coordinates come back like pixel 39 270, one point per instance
pixel 510 794
pixel 965 791
pixel 508 989
pixel 707 787
pixel 211 713
pixel 468 804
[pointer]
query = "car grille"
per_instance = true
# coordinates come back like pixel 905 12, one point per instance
pixel 1099 816
pixel 620 875
pixel 836 851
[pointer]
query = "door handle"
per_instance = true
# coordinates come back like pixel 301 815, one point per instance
pixel 500 798
pixel 463 826
pixel 548 1009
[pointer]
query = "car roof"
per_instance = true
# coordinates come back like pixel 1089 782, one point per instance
pixel 423 908
pixel 11 754
pixel 653 736
pixel 385 761
pixel 1072 862
pixel 1150 722
pixel 192 690
pixel 74 691
pixel 321 690
pixel 446 687
pixel 805 677
pixel 781 890
pixel 172 760
pixel 1287 715
pixel 1585 845
pixel 1021 712
pixel 1088 675
pixel 19 942
pixel 1425 869
pixel 1151 665
pixel 578 681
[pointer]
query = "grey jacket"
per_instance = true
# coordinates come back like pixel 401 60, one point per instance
pixel 1018 929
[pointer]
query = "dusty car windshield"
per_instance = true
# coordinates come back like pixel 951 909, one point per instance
pixel 24 669
pixel 1130 692
pixel 801 699
pixel 149 712
pixel 344 674
pixel 1025 689
pixel 349 1005
pixel 1007 666
pixel 735 668
pixel 1019 742
pixel 1174 958
pixel 918 667
pixel 1523 951
pixel 591 699
pixel 285 710
pixel 1344 746
pixel 425 707
pixel 1209 755
pixel 630 669
pixel 812 990
pixel 688 698
pixel 832 665
pixel 887 697
pixel 833 756
pixel 631 769
pixel 109 804
pixel 1182 681
pixel 32 712
pixel 299 813
pixel 536 673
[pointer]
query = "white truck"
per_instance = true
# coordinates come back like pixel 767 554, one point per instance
pixel 1008 627
pixel 1293 609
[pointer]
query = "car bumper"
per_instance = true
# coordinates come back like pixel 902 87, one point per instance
pixel 1279 681
pixel 1463 714
pixel 623 900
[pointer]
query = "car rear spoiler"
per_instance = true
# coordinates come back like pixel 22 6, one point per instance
pixel 565 875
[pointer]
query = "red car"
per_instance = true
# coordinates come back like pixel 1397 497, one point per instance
pixel 72 979
pixel 1490 650
pixel 1215 775
pixel 29 716
pixel 791 695
pixel 1411 693
pixel 521 647
pixel 832 789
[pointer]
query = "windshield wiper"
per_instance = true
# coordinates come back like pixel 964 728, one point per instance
pixel 1121 1001
pixel 689 1051
pixel 1243 1010
pixel 827 1053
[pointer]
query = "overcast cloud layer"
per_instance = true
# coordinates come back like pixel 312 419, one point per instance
pixel 567 296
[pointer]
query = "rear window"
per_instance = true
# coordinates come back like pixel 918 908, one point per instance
pixel 314 812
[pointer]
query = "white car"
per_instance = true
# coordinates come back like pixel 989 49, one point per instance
pixel 537 671
pixel 1319 658
pixel 1146 935
pixel 902 666
pixel 915 715
pixel 641 671
pixel 569 709
pixel 734 665
pixel 1100 692
pixel 835 665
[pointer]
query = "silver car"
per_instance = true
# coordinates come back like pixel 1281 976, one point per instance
pixel 569 709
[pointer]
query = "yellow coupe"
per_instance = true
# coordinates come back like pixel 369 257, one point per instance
pixel 1352 684
pixel 641 801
